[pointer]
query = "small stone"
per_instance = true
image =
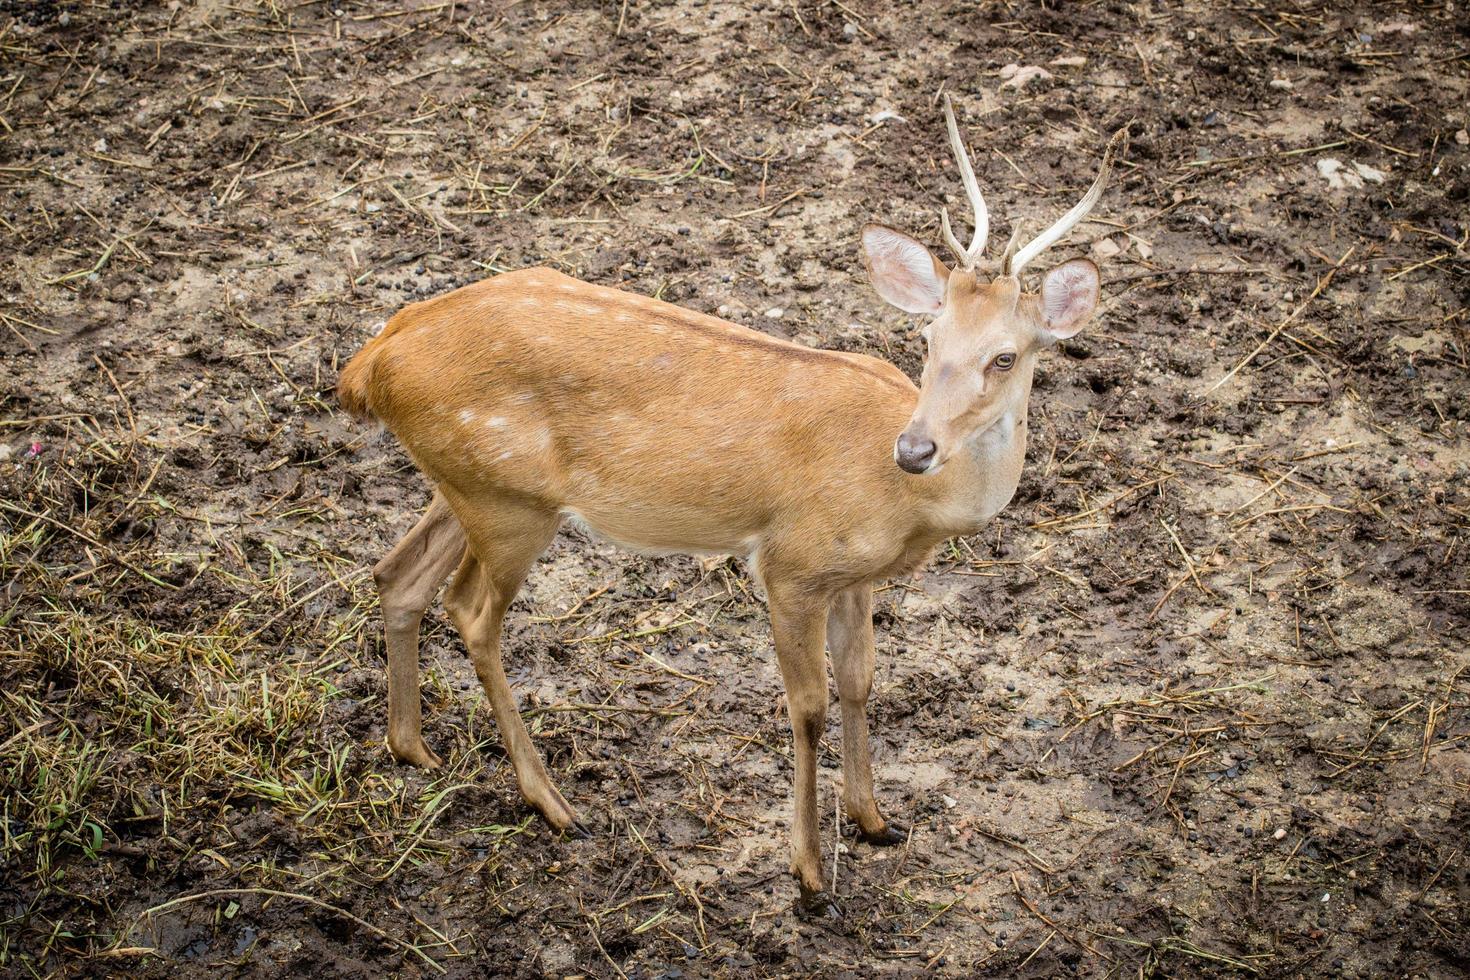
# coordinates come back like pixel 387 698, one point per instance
pixel 949 801
pixel 1280 833
pixel 1282 84
pixel 1462 137
pixel 775 313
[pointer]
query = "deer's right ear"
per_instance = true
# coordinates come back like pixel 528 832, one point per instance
pixel 904 272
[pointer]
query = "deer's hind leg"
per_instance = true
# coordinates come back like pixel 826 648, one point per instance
pixel 505 539
pixel 408 578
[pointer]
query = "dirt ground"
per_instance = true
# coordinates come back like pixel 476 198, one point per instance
pixel 1196 705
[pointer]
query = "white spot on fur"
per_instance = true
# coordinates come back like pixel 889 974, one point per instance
pixel 753 562
pixel 495 422
pixel 504 456
pixel 466 416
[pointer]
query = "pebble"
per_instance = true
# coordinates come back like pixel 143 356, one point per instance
pixel 1280 833
pixel 1283 84
pixel 775 313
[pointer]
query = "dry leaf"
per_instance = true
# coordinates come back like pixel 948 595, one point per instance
pixel 1019 76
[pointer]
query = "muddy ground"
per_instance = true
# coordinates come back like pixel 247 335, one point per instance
pixel 1195 705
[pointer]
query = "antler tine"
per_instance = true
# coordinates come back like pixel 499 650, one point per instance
pixel 967 256
pixel 1079 211
pixel 949 239
pixel 1010 252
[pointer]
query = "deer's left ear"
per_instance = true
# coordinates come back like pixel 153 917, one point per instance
pixel 1068 298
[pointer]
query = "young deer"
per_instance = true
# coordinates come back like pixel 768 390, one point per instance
pixel 531 397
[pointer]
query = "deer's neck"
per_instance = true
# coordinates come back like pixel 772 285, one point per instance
pixel 980 479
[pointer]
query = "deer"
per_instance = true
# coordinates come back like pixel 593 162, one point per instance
pixel 530 398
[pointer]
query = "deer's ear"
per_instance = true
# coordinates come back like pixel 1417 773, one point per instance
pixel 1068 298
pixel 904 272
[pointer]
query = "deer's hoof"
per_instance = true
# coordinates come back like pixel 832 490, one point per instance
pixel 817 903
pixel 414 752
pixel 891 835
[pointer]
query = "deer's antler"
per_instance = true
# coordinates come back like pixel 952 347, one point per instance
pixel 967 256
pixel 1070 220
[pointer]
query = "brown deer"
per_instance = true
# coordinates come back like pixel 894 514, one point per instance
pixel 531 397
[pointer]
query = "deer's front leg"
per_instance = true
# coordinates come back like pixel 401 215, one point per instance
pixel 798 624
pixel 850 635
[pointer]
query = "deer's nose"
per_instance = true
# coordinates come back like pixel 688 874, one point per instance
pixel 913 454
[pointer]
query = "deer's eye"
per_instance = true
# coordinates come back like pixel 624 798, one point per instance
pixel 1004 362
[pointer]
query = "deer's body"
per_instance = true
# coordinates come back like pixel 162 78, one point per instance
pixel 532 397
pixel 671 431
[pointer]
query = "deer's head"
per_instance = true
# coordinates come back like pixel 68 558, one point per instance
pixel 987 330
